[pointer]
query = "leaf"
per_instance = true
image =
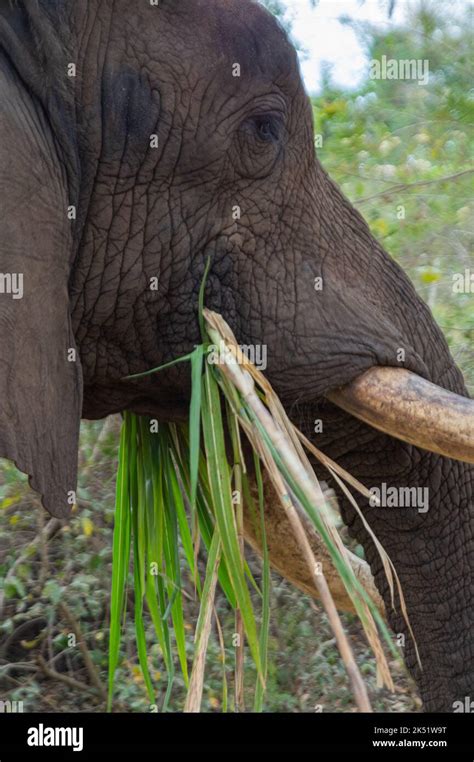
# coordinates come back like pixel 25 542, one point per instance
pixel 53 591
pixel 87 526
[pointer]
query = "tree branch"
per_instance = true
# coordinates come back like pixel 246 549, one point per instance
pixel 407 186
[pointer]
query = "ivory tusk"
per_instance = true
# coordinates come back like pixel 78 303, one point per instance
pixel 408 407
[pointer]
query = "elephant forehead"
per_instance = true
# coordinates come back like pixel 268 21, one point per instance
pixel 205 39
pixel 243 32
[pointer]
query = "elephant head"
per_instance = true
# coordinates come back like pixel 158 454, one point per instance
pixel 135 144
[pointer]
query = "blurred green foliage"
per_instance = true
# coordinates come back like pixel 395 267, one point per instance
pixel 402 153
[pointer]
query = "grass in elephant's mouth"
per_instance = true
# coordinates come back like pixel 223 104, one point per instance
pixel 182 489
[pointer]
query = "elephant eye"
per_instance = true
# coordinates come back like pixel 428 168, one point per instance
pixel 267 128
pixel 258 144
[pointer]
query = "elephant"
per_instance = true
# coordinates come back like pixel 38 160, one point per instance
pixel 139 142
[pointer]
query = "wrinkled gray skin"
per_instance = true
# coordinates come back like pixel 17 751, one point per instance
pixel 144 213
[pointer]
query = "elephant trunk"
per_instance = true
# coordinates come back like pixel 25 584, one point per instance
pixel 433 553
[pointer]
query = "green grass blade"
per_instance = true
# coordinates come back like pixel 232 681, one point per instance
pixel 219 482
pixel 185 358
pixel 202 290
pixel 137 492
pixel 184 530
pixel 154 509
pixel 175 606
pixel 172 558
pixel 195 420
pixel 141 644
pixel 120 561
pixel 204 514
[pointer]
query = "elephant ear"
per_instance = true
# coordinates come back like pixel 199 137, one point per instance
pixel 40 374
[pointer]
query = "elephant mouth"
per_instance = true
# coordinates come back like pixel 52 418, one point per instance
pixel 396 401
pixel 410 408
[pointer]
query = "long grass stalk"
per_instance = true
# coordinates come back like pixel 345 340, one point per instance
pixel 203 628
pixel 181 491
